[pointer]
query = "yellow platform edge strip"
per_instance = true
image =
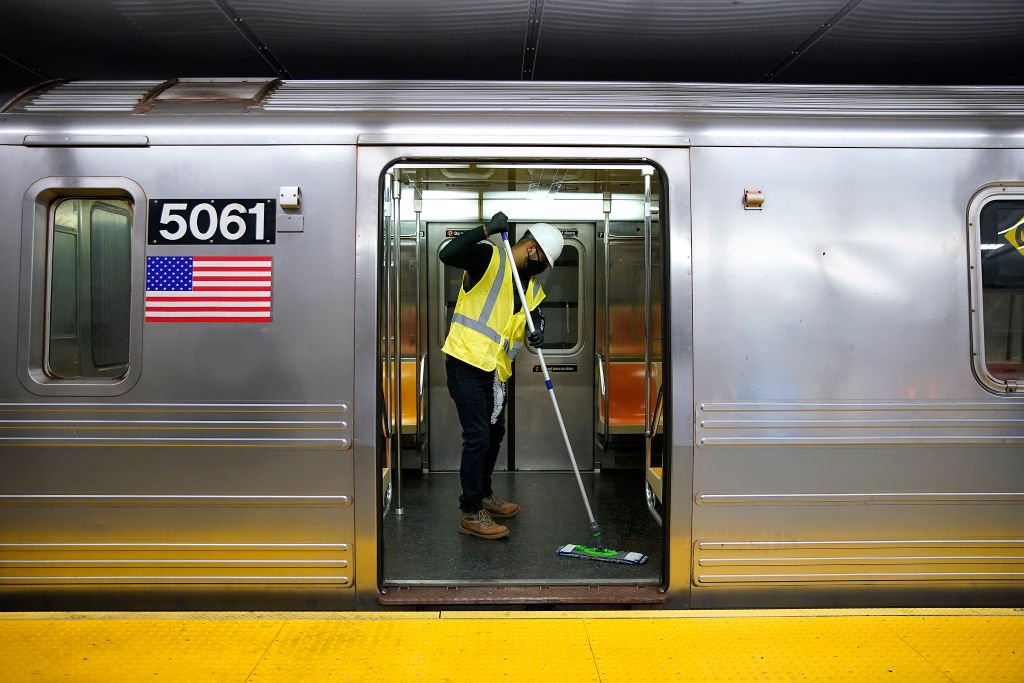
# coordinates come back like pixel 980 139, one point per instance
pixel 936 645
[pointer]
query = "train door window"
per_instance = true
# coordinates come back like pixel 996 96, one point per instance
pixel 90 289
pixel 1000 269
pixel 81 322
pixel 561 305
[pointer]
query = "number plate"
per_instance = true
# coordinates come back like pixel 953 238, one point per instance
pixel 212 221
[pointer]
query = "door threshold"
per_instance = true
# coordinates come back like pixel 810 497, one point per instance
pixel 523 595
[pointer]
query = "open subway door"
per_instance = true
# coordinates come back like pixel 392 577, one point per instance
pixel 431 196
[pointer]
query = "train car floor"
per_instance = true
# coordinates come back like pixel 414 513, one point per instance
pixel 926 645
pixel 423 545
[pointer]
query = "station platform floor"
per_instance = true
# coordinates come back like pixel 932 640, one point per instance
pixel 943 645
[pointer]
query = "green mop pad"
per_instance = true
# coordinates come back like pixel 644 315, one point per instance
pixel 587 552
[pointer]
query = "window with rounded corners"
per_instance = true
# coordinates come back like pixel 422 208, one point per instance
pixel 80 301
pixel 996 222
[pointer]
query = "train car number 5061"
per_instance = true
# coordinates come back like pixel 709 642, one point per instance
pixel 212 221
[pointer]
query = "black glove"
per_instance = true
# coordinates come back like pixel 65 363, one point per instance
pixel 536 338
pixel 498 223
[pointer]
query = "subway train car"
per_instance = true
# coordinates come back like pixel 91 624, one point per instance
pixel 786 335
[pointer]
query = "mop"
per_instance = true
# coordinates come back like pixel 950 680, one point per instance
pixel 586 552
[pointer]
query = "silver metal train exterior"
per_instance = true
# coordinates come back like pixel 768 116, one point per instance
pixel 838 366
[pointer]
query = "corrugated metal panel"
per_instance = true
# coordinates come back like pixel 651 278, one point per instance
pixel 155 562
pixel 480 39
pixel 126 39
pixel 877 41
pixel 714 99
pixel 697 40
pixel 919 41
pixel 90 96
pixel 719 562
pixel 820 424
pixel 318 425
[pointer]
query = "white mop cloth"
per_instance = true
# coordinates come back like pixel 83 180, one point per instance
pixel 499 398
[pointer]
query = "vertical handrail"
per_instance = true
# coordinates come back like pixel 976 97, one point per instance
pixel 656 416
pixel 396 272
pixel 386 350
pixel 649 494
pixel 417 207
pixel 648 311
pixel 607 340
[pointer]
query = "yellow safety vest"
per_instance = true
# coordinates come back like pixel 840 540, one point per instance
pixel 485 332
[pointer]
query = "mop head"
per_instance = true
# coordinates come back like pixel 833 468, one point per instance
pixel 586 552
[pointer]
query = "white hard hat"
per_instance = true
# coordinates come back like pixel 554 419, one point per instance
pixel 550 241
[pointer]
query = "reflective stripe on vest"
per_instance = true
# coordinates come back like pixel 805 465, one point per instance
pixel 480 324
pixel 481 334
pixel 481 315
pixel 516 345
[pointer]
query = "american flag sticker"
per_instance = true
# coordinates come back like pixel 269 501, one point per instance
pixel 208 289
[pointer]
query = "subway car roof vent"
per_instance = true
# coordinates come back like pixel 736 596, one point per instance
pixel 219 90
pixel 103 96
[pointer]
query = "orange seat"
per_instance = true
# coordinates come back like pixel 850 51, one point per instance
pixel 409 394
pixel 625 387
pixel 409 388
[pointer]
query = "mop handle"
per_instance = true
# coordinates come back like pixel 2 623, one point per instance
pixel 550 385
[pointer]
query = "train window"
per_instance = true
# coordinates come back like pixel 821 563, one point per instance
pixel 82 287
pixel 90 289
pixel 561 305
pixel 1001 246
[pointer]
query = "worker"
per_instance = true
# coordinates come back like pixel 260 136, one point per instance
pixel 487 330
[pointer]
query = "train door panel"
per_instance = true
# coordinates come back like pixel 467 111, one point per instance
pixel 443 287
pixel 568 349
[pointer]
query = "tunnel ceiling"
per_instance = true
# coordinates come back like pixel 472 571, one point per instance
pixel 946 42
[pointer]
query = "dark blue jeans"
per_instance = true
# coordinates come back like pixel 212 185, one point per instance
pixel 472 389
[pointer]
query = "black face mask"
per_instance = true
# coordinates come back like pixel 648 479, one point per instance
pixel 534 267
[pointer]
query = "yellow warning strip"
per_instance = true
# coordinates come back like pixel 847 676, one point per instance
pixel 751 645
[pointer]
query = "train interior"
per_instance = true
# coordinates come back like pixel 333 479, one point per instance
pixel 603 349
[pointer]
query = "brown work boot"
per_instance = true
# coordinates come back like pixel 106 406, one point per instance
pixel 499 508
pixel 480 524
